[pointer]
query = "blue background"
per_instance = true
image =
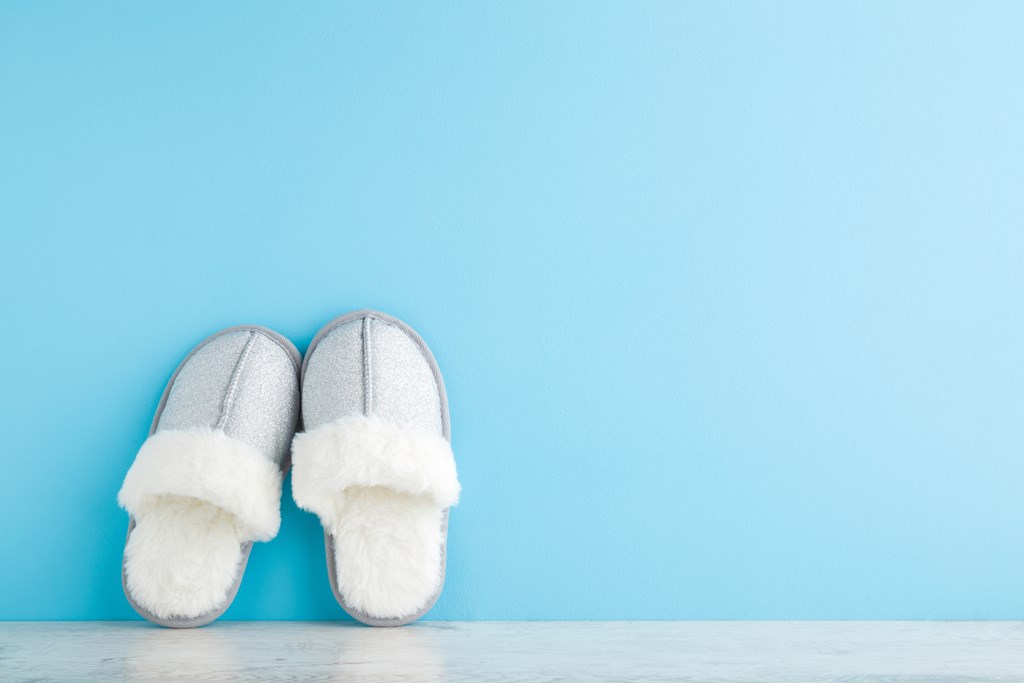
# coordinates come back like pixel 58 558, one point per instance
pixel 728 296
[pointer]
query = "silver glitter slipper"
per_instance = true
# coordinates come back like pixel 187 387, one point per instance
pixel 206 483
pixel 375 464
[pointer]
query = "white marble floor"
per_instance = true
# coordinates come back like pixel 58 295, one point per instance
pixel 861 652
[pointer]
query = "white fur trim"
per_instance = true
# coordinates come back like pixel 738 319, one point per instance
pixel 359 451
pixel 380 489
pixel 210 466
pixel 182 558
pixel 387 552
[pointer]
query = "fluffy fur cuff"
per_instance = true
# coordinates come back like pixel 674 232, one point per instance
pixel 358 451
pixel 213 467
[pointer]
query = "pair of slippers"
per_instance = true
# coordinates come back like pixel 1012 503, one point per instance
pixel 374 463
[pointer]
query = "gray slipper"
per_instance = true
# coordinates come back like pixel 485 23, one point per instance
pixel 207 481
pixel 375 464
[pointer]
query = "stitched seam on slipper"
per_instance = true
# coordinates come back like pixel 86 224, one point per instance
pixel 236 375
pixel 367 368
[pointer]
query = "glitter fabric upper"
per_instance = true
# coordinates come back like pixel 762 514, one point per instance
pixel 368 366
pixel 243 382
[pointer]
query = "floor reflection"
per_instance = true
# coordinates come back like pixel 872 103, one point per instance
pixel 177 651
pixel 336 651
pixel 401 653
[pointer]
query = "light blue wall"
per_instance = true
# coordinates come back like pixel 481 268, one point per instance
pixel 729 296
